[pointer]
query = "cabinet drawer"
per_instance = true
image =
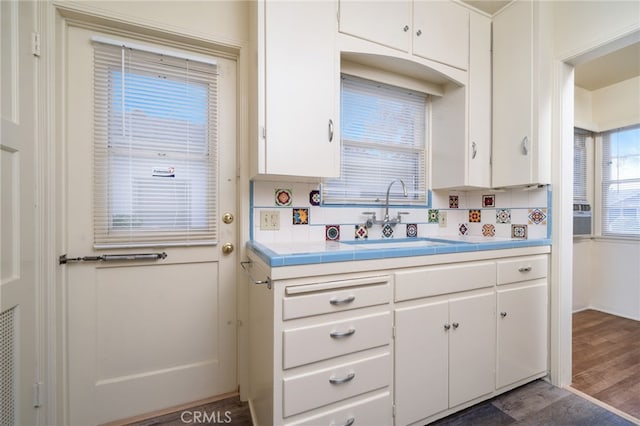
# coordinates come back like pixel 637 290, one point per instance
pixel 322 387
pixel 373 411
pixel 522 269
pixel 334 296
pixel 434 280
pixel 314 343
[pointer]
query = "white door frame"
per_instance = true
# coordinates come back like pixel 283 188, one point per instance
pixel 562 199
pixel 51 181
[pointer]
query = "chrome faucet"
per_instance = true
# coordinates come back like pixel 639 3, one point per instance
pixel 387 220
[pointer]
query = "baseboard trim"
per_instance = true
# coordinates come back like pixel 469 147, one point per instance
pixel 604 405
pixel 605 311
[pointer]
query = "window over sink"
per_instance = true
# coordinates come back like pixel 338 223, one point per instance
pixel 383 130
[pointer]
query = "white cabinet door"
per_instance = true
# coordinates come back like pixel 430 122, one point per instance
pixel 471 347
pixel 479 102
pixel 522 98
pixel 441 32
pixel 301 89
pixel 383 22
pixel 512 94
pixel 421 361
pixel 522 332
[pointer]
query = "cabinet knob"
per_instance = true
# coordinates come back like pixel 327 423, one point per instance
pixel 419 33
pixel 525 269
pixel 474 150
pixel 447 327
pixel 406 28
pixel 503 314
pixel 455 325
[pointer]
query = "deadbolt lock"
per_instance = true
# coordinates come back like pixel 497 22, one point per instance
pixel 227 218
pixel 227 248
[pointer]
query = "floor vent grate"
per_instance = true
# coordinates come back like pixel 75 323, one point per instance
pixel 7 368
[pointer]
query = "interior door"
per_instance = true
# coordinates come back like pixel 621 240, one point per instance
pixel 144 334
pixel 17 214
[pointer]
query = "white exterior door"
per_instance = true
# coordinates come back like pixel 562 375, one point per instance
pixel 143 335
pixel 18 251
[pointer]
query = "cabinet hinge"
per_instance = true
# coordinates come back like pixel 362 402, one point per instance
pixel 393 332
pixel 37 394
pixel 393 411
pixel 264 132
pixel 35 44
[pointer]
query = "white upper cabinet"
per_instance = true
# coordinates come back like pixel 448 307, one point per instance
pixel 383 22
pixel 434 30
pixel 441 32
pixel 298 89
pixel 521 95
pixel 461 136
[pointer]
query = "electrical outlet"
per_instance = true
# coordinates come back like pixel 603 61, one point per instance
pixel 442 219
pixel 269 220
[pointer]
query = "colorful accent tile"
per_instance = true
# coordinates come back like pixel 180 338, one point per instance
pixel 489 201
pixel 332 232
pixel 412 230
pixel 387 231
pixel 519 231
pixel 475 216
pixel 503 216
pixel 463 229
pixel 314 197
pixel 453 202
pixel 433 216
pixel 488 230
pixel 283 197
pixel 538 217
pixel 362 233
pixel 300 216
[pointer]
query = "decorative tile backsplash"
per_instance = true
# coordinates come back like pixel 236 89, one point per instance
pixel 516 213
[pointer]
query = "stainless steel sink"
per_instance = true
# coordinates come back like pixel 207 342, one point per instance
pixel 399 243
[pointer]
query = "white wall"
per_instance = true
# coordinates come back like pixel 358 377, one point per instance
pixel 608 108
pixel 582 274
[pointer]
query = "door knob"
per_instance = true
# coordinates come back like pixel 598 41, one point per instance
pixel 227 248
pixel 227 218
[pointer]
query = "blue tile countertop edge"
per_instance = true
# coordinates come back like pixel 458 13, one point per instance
pixel 351 253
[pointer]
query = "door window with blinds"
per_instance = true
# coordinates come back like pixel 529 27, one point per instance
pixel 155 147
pixel 621 182
pixel 383 132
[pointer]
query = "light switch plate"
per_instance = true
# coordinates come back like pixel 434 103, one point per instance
pixel 442 219
pixel 269 220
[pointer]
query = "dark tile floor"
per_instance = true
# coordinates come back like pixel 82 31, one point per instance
pixel 538 403
pixel 535 404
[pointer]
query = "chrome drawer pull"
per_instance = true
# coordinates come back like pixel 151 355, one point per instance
pixel 341 380
pixel 341 334
pixel 349 422
pixel 344 301
pixel 525 269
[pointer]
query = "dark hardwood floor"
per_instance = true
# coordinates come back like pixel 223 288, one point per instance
pixel 606 359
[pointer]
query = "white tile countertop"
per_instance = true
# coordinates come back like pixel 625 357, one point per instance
pixel 292 253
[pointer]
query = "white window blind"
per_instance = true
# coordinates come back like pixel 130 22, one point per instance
pixel 580 165
pixel 383 132
pixel 155 148
pixel 621 182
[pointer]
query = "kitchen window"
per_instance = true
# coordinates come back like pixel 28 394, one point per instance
pixel 620 210
pixel 383 131
pixel 155 147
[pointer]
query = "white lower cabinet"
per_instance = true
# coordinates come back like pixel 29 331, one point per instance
pixel 444 354
pixel 402 346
